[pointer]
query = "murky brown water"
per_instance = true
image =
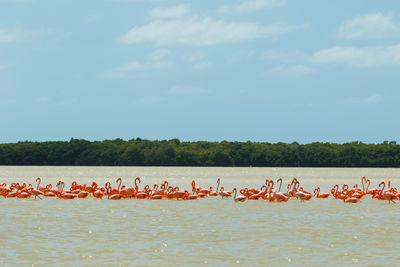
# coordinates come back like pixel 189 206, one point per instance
pixel 211 231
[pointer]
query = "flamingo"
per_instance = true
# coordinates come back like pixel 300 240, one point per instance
pixel 245 192
pixel 49 192
pixel 170 192
pixel 239 198
pixel 218 183
pixel 318 194
pixel 112 196
pixel 83 193
pixel 40 188
pixel 179 194
pixel 253 196
pixel 203 191
pixel 363 183
pixel 189 196
pixel 280 183
pixel 212 193
pixel 65 194
pixel 302 196
pixel 51 189
pixel 351 200
pixel 221 192
pixel 12 194
pixel 137 179
pixel 125 192
pixel 338 194
pixel 23 195
pixel 347 195
pixel 267 192
pixel 253 190
pixel 98 194
pixel 301 193
pixel 371 191
pixel 224 194
pixel 276 195
pixel 36 192
pixel 76 188
pixel 143 193
pixel 116 190
pixel 387 195
pixel 4 189
pixel 154 195
pixel 90 188
pixel 286 194
pixel 264 192
pixel 291 191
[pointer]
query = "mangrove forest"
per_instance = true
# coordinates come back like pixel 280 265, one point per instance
pixel 140 152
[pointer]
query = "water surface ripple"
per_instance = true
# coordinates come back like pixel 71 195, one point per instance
pixel 92 232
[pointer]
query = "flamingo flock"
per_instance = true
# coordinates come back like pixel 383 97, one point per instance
pixel 266 192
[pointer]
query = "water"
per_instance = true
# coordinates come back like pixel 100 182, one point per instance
pixel 91 232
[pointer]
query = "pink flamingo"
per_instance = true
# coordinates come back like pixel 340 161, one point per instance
pixel 276 195
pixel 112 196
pixel 318 194
pixel 387 195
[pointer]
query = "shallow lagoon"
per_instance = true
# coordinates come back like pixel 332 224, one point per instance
pixel 203 232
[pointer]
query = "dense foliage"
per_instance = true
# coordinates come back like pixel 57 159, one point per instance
pixel 138 152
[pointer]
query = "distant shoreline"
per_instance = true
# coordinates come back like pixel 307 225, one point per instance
pixel 174 153
pixel 156 166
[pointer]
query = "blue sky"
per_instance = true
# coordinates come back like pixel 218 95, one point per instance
pixel 237 70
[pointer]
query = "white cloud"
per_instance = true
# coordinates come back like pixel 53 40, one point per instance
pixel 197 60
pixel 359 56
pixel 295 70
pixel 195 57
pixel 141 66
pixel 159 54
pixel 200 66
pixel 169 12
pixel 157 60
pixel 373 99
pixel 200 32
pixel 7 36
pixel 248 6
pixel 369 26
pixel 16 34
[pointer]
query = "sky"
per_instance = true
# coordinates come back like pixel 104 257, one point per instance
pixel 236 70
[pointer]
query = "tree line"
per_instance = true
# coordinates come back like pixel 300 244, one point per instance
pixel 140 152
